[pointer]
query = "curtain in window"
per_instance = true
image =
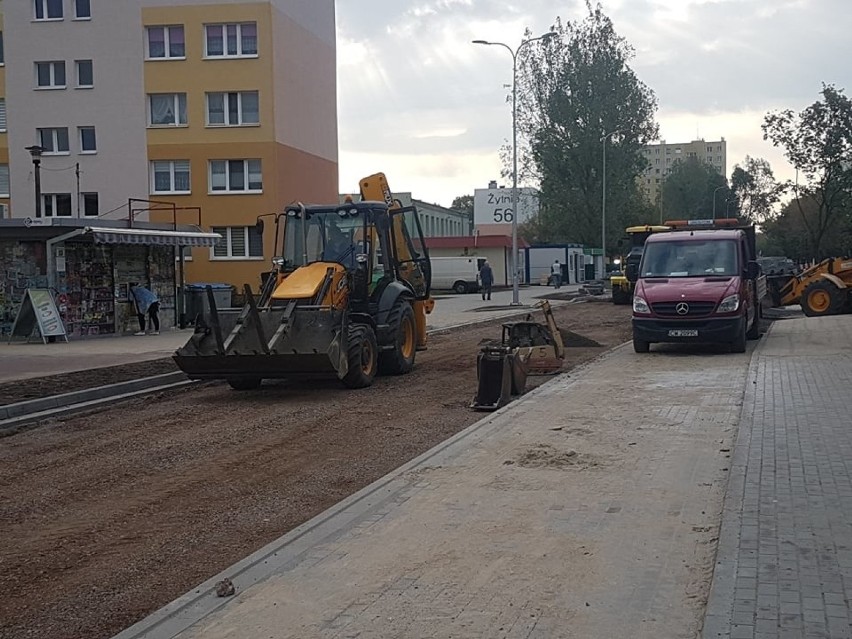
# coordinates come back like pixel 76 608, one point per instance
pixel 236 175
pixel 251 114
pixel 215 43
pixel 177 49
pixel 156 42
pixel 216 108
pixel 163 109
pixel 249 39
pixel 218 180
pixel 162 176
pixel 181 175
pixel 231 30
pixel 255 175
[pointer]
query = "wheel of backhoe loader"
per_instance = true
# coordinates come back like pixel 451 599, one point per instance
pixel 362 356
pixel 244 383
pixel 400 359
pixel 822 298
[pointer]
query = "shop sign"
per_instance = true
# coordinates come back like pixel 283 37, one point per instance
pixel 38 310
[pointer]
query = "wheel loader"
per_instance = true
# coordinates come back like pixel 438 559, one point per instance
pixel 347 299
pixel 822 289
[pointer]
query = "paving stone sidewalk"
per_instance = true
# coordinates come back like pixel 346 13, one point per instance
pixel 784 564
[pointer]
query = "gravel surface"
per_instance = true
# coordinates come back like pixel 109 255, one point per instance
pixel 107 516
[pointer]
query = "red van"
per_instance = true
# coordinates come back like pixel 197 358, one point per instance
pixel 698 286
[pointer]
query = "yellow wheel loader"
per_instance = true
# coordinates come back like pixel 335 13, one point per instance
pixel 347 299
pixel 822 289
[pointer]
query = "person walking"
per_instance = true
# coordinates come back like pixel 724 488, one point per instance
pixel 556 274
pixel 486 279
pixel 147 303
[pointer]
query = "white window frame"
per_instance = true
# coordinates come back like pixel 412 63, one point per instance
pixel 239 41
pixel 4 180
pixel 172 181
pixel 44 5
pixel 2 115
pixel 246 173
pixel 53 65
pixel 167 42
pixel 83 204
pixel 79 84
pixel 50 210
pixel 77 16
pixel 80 130
pixel 178 99
pixel 227 235
pixel 226 111
pixel 54 134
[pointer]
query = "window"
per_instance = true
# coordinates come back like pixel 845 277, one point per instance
pixel 238 242
pixel 48 9
pixel 166 42
pixel 232 109
pixel 2 115
pixel 50 75
pixel 4 180
pixel 54 141
pixel 230 40
pixel 170 176
pixel 90 204
pixel 56 204
pixel 88 143
pixel 82 10
pixel 167 109
pixel 2 55
pixel 235 176
pixel 85 74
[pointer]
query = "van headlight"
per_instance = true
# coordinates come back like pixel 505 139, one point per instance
pixel 729 304
pixel 640 305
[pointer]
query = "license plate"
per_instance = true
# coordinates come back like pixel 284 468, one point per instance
pixel 683 332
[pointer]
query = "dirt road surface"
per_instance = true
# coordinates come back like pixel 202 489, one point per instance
pixel 108 516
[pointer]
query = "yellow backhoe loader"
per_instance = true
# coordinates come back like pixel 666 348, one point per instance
pixel 822 289
pixel 347 298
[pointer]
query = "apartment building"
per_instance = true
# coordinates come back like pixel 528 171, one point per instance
pixel 208 111
pixel 662 156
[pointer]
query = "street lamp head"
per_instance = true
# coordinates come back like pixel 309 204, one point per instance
pixel 481 42
pixel 35 150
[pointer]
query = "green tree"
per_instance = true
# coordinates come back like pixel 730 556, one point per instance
pixel 818 143
pixel 464 203
pixel 689 188
pixel 755 189
pixel 576 92
pixel 787 233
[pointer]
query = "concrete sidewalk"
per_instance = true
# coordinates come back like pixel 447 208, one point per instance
pixel 21 360
pixel 589 508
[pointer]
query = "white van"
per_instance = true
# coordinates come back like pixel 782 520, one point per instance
pixel 460 274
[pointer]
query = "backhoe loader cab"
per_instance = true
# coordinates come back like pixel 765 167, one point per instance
pixel 347 298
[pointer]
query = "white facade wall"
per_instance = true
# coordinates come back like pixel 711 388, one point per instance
pixel 115 106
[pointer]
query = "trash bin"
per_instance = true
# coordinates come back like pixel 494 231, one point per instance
pixel 197 302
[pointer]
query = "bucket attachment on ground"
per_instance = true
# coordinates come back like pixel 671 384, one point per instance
pixel 501 373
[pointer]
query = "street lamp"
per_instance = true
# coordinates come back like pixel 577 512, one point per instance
pixel 36 152
pixel 724 186
pixel 603 204
pixel 514 54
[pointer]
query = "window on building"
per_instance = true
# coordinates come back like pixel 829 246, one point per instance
pixel 85 74
pixel 4 180
pixel 230 40
pixel 166 42
pixel 82 9
pixel 53 141
pixel 232 109
pixel 238 242
pixel 2 55
pixel 56 204
pixel 88 143
pixel 90 204
pixel 2 115
pixel 170 176
pixel 167 109
pixel 48 9
pixel 235 176
pixel 50 75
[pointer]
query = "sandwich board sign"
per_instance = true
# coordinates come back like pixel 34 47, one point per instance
pixel 38 311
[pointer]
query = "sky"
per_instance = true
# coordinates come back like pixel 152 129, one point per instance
pixel 421 103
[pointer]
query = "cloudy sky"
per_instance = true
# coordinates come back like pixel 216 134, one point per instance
pixel 421 103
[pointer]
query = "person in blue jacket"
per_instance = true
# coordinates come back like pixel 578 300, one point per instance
pixel 486 279
pixel 147 303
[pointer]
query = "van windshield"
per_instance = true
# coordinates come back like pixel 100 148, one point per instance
pixel 690 259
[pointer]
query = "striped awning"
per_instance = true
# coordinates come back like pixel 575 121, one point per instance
pixel 145 236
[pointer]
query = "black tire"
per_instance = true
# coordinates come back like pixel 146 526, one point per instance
pixel 754 329
pixel 739 344
pixel 403 331
pixel 640 345
pixel 362 356
pixel 460 288
pixel 822 298
pixel 244 383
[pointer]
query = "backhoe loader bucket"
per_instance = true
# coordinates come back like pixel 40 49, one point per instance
pixel 501 373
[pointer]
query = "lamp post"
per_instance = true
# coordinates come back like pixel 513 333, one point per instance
pixel 514 54
pixel 603 204
pixel 36 152
pixel 724 186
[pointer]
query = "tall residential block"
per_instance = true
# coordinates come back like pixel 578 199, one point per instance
pixel 662 156
pixel 211 110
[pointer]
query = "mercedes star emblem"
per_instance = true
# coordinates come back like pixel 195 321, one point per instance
pixel 682 308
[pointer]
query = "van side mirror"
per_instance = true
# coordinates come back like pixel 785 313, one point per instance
pixel 752 270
